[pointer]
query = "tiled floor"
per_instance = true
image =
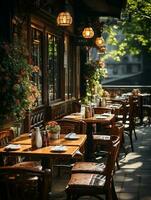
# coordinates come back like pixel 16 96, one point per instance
pixel 133 180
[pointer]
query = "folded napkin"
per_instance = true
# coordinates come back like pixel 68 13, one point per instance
pixel 59 148
pixel 13 147
pixel 71 136
pixel 106 114
pixel 105 137
pixel 100 116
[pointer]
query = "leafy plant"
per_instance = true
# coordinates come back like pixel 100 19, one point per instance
pixel 53 126
pixel 17 93
pixel 93 73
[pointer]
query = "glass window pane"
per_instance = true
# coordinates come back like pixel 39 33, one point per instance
pixel 36 56
pixel 54 76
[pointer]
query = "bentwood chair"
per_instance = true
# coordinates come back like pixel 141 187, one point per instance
pixel 97 127
pixel 72 125
pixel 5 138
pixel 67 126
pixel 24 184
pixel 95 184
pixel 129 124
pixel 98 166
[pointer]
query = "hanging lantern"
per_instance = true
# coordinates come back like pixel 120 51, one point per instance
pixel 64 19
pixel 102 49
pixel 99 41
pixel 88 33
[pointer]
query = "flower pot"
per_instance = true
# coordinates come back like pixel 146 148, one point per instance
pixel 55 135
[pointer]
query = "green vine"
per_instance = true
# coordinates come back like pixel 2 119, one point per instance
pixel 93 74
pixel 18 93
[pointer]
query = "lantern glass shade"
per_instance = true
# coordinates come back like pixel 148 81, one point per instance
pixel 99 41
pixel 88 32
pixel 102 49
pixel 64 19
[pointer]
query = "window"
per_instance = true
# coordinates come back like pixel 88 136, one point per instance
pixel 54 71
pixel 36 57
pixel 69 66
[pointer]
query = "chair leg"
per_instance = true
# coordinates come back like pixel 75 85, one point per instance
pixel 117 163
pixel 114 195
pixel 108 195
pixel 131 141
pixel 135 134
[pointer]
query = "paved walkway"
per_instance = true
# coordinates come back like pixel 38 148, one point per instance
pixel 133 180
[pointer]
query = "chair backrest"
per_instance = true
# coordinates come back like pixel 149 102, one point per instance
pixel 107 143
pixel 118 129
pixel 33 119
pixel 24 184
pixel 6 136
pixel 113 148
pixel 132 111
pixel 72 125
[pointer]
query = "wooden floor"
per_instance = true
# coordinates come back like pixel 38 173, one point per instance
pixel 133 180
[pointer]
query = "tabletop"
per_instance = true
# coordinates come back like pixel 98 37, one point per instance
pixel 63 140
pixel 48 152
pixel 101 118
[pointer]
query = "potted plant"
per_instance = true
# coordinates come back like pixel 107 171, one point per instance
pixel 53 129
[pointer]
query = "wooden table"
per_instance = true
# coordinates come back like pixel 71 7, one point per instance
pixel 109 120
pixel 101 120
pixel 25 139
pixel 45 153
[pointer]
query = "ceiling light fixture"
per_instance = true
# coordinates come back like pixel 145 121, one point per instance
pixel 64 18
pixel 88 32
pixel 99 41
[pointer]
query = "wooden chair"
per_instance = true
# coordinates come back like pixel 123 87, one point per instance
pixel 33 119
pixel 5 137
pixel 101 128
pixel 72 125
pixel 146 107
pixel 67 126
pixel 116 130
pixel 20 183
pixel 95 184
pixel 129 124
pixel 97 167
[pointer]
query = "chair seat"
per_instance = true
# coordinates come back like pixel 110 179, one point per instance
pixel 87 167
pixel 29 165
pixel 86 180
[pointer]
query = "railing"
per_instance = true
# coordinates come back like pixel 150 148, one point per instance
pixel 119 89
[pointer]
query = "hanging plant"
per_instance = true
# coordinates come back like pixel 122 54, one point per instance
pixel 17 93
pixel 93 73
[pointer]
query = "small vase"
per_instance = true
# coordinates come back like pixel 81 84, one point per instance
pixel 38 137
pixel 55 135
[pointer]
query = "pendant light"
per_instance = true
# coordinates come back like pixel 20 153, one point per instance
pixel 102 49
pixel 88 32
pixel 64 18
pixel 99 41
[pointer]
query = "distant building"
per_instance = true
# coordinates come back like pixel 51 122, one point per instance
pixel 126 69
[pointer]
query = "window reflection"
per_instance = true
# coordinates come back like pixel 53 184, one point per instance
pixel 54 76
pixel 36 55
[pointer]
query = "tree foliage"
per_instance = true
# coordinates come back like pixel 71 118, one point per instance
pixel 132 33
